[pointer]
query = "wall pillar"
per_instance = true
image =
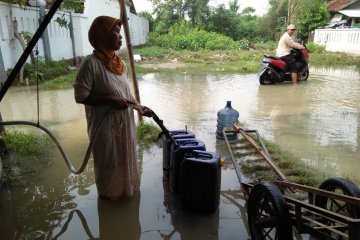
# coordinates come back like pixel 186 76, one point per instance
pixel 3 75
pixel 45 36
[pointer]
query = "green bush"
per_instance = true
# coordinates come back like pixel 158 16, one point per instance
pixel 147 134
pixel 315 48
pixel 26 143
pixel 268 45
pixel 61 82
pixel 152 51
pixel 182 37
pixel 44 71
pixel 244 43
pixel 183 42
pixel 221 43
pixel 162 41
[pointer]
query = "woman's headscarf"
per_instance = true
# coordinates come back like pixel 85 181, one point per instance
pixel 99 37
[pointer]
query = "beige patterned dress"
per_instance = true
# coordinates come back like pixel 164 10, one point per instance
pixel 114 150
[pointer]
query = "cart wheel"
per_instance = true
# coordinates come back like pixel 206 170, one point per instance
pixel 339 186
pixel 268 213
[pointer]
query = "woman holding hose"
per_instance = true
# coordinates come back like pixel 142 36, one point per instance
pixel 101 85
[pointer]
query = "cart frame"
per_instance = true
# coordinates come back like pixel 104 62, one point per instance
pixel 306 216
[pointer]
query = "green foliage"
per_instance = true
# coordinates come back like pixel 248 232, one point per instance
pixel 315 17
pixel 147 134
pixel 61 82
pixel 275 20
pixel 183 42
pixel 315 48
pixel 224 21
pixel 28 153
pixel 198 11
pixel 74 5
pixel 266 45
pixel 171 12
pixel 168 13
pixel 62 21
pixel 220 42
pixel 26 35
pixel 146 131
pixel 44 71
pixel 244 43
pixel 309 15
pixel 292 167
pixel 26 143
pixel 151 51
pixel 182 37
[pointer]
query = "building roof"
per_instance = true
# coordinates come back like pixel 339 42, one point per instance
pixel 353 13
pixel 132 7
pixel 336 5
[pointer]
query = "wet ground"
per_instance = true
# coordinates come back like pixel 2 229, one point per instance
pixel 317 121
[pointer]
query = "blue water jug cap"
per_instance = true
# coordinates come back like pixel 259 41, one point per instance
pixel 228 104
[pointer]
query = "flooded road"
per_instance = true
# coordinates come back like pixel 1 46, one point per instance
pixel 318 121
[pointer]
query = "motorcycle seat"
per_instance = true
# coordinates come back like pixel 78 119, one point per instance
pixel 272 57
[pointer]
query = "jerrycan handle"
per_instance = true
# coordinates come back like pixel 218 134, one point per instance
pixel 191 143
pixel 203 154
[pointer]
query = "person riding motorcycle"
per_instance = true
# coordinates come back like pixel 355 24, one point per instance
pixel 286 43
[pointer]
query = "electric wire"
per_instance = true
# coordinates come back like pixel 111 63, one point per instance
pixel 37 69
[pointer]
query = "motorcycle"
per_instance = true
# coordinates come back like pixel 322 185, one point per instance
pixel 274 69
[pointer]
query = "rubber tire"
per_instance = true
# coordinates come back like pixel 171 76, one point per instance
pixel 266 196
pixel 347 187
pixel 265 79
pixel 305 76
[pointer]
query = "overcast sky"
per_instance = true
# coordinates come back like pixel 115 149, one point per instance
pixel 261 6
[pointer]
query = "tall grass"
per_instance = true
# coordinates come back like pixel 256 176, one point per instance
pixel 61 82
pixel 26 143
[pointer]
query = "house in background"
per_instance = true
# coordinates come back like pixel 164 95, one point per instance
pixel 345 14
pixel 342 34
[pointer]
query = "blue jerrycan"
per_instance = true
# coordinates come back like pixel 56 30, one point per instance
pixel 200 176
pixel 176 134
pixel 177 153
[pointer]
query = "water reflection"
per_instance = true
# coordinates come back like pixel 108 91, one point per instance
pixel 185 223
pixel 68 221
pixel 317 121
pixel 119 219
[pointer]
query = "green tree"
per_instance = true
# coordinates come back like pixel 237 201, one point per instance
pixel 314 16
pixel 307 15
pixel 248 23
pixel 275 20
pixel 224 21
pixel 198 11
pixel 168 12
pixel 234 5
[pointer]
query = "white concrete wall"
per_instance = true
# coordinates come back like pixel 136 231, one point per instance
pixel 60 41
pixel 339 40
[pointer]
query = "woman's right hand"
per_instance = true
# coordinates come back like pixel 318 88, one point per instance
pixel 120 102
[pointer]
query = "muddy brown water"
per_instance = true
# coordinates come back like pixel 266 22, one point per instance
pixel 317 121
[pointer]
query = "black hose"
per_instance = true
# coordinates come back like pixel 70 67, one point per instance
pixel 63 154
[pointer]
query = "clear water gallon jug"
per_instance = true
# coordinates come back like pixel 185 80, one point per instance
pixel 226 117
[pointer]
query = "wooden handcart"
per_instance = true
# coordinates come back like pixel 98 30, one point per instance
pixel 274 211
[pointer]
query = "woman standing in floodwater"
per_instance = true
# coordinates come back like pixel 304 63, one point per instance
pixel 102 84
